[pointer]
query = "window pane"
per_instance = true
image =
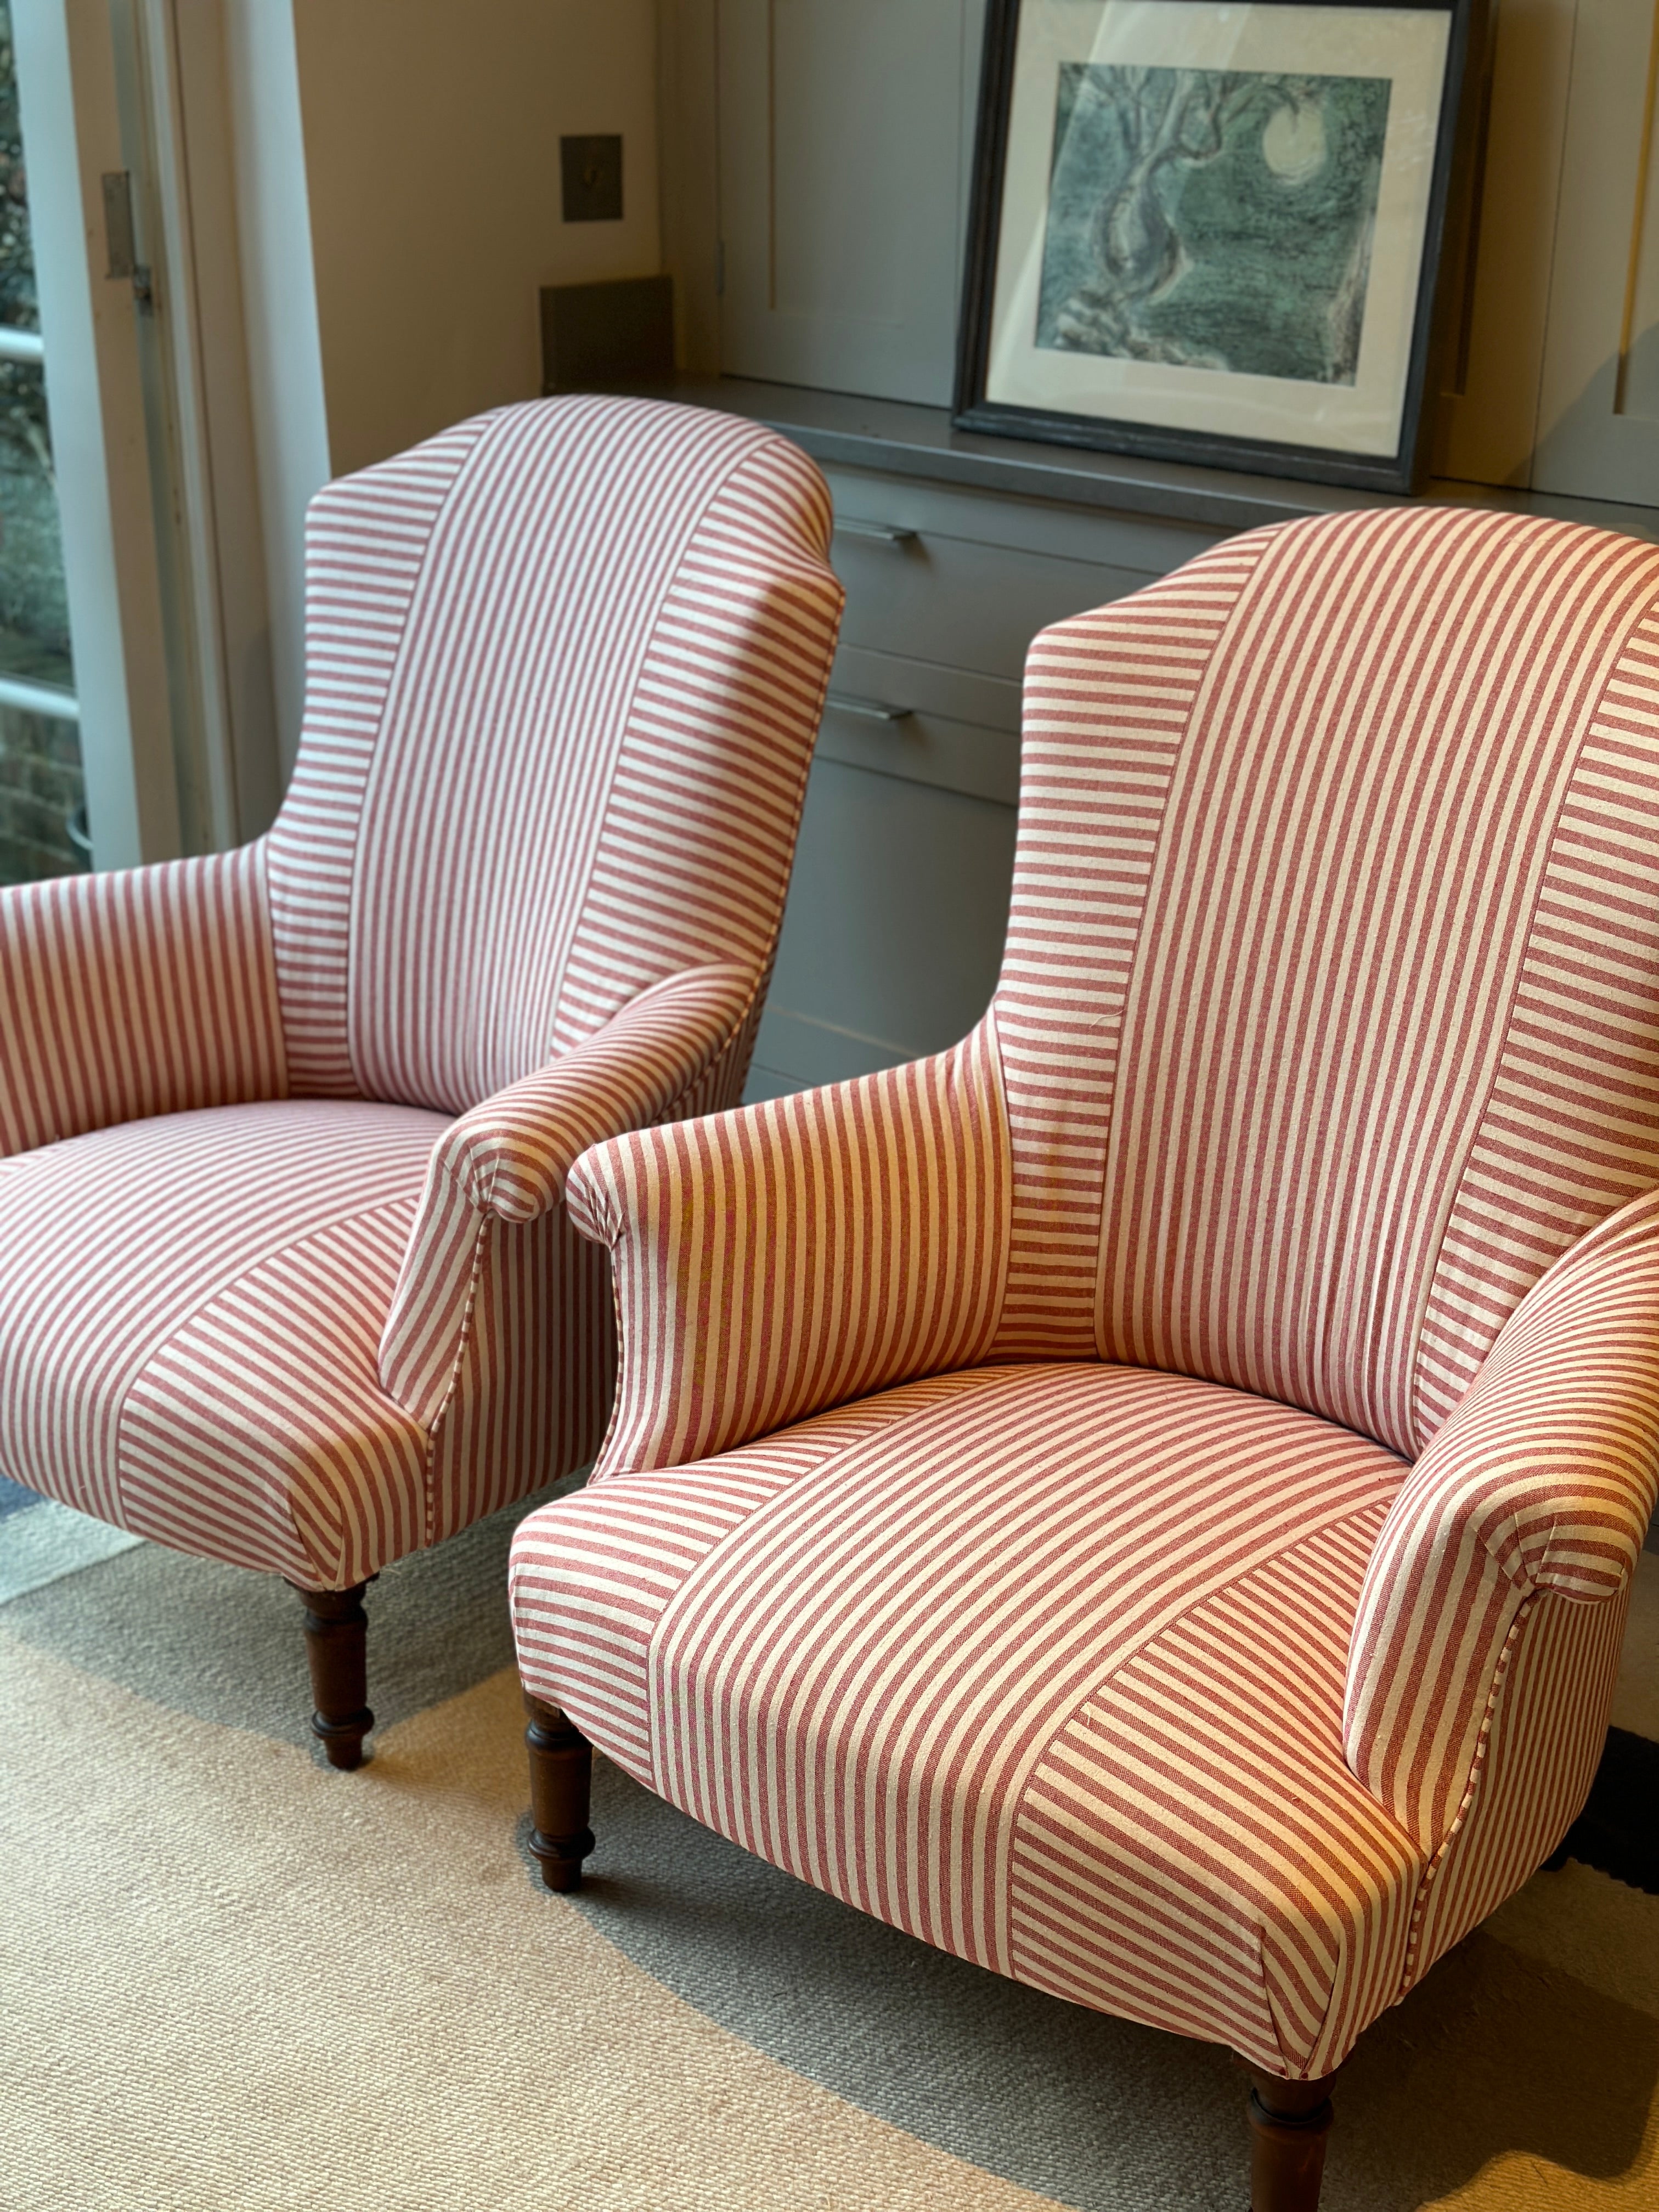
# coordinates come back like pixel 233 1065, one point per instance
pixel 40 788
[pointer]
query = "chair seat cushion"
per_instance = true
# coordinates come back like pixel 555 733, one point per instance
pixel 191 1311
pixel 1043 1664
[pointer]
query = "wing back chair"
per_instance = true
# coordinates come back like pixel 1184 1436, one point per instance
pixel 286 1278
pixel 1146 1500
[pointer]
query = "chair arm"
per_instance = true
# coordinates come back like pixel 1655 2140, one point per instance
pixel 506 1160
pixel 793 1254
pixel 1543 1478
pixel 138 992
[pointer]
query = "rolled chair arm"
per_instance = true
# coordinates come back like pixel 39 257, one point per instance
pixel 793 1255
pixel 1542 1479
pixel 507 1159
pixel 138 992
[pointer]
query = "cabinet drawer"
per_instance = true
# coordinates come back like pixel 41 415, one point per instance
pixel 992 701
pixel 925 749
pixel 893 934
pixel 1142 543
pixel 969 606
pixel 883 714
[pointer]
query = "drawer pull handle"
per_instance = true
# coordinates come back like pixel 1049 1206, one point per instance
pixel 883 533
pixel 869 710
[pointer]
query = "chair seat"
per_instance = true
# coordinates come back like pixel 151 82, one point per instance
pixel 191 1310
pixel 1043 1664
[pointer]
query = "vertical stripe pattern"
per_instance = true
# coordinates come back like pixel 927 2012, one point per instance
pixel 534 1371
pixel 281 1226
pixel 1313 1132
pixel 1059 1519
pixel 811 1249
pixel 1110 703
pixel 502 1332
pixel 138 992
pixel 507 1160
pixel 365 543
pixel 565 666
pixel 1571 1126
pixel 1192 1851
pixel 698 835
pixel 1544 1479
pixel 1355 850
pixel 572 597
pixel 1544 1733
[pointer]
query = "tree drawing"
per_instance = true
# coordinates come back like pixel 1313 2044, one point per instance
pixel 1132 146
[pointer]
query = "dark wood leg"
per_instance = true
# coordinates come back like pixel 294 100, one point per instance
pixel 337 1629
pixel 561 1772
pixel 1289 2123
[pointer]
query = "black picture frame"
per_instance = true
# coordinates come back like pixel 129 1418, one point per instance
pixel 1444 235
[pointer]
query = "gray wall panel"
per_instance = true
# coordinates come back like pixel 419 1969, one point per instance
pixel 893 935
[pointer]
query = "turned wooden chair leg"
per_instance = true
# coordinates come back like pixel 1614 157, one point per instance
pixel 1289 2123
pixel 561 1774
pixel 337 1631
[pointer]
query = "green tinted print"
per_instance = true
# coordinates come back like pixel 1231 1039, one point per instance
pixel 1213 219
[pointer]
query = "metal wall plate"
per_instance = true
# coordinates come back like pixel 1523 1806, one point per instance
pixel 590 173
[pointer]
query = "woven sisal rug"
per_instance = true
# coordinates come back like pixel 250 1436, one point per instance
pixel 231 1978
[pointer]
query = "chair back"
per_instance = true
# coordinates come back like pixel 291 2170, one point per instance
pixel 564 669
pixel 1329 1015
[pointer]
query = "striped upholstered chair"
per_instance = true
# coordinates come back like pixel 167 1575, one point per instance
pixel 1146 1500
pixel 286 1278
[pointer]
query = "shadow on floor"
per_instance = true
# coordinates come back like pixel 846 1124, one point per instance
pixel 1494 2054
pixel 221 1644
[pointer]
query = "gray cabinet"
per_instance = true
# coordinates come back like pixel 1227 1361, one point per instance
pixel 846 136
pixel 816 162
pixel 895 927
pixel 817 155
pixel 1554 380
pixel 897 909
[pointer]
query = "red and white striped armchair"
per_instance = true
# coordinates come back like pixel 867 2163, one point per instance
pixel 286 1278
pixel 1146 1500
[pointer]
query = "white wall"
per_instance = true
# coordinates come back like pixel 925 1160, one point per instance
pixel 360 202
pixel 432 159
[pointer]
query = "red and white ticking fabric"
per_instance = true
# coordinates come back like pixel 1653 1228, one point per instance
pixel 286 1277
pixel 1147 1500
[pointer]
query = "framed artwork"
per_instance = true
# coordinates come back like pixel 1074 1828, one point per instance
pixel 1213 230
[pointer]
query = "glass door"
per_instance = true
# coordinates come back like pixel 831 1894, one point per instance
pixel 82 493
pixel 42 811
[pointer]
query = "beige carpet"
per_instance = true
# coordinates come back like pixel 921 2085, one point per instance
pixel 231 1978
